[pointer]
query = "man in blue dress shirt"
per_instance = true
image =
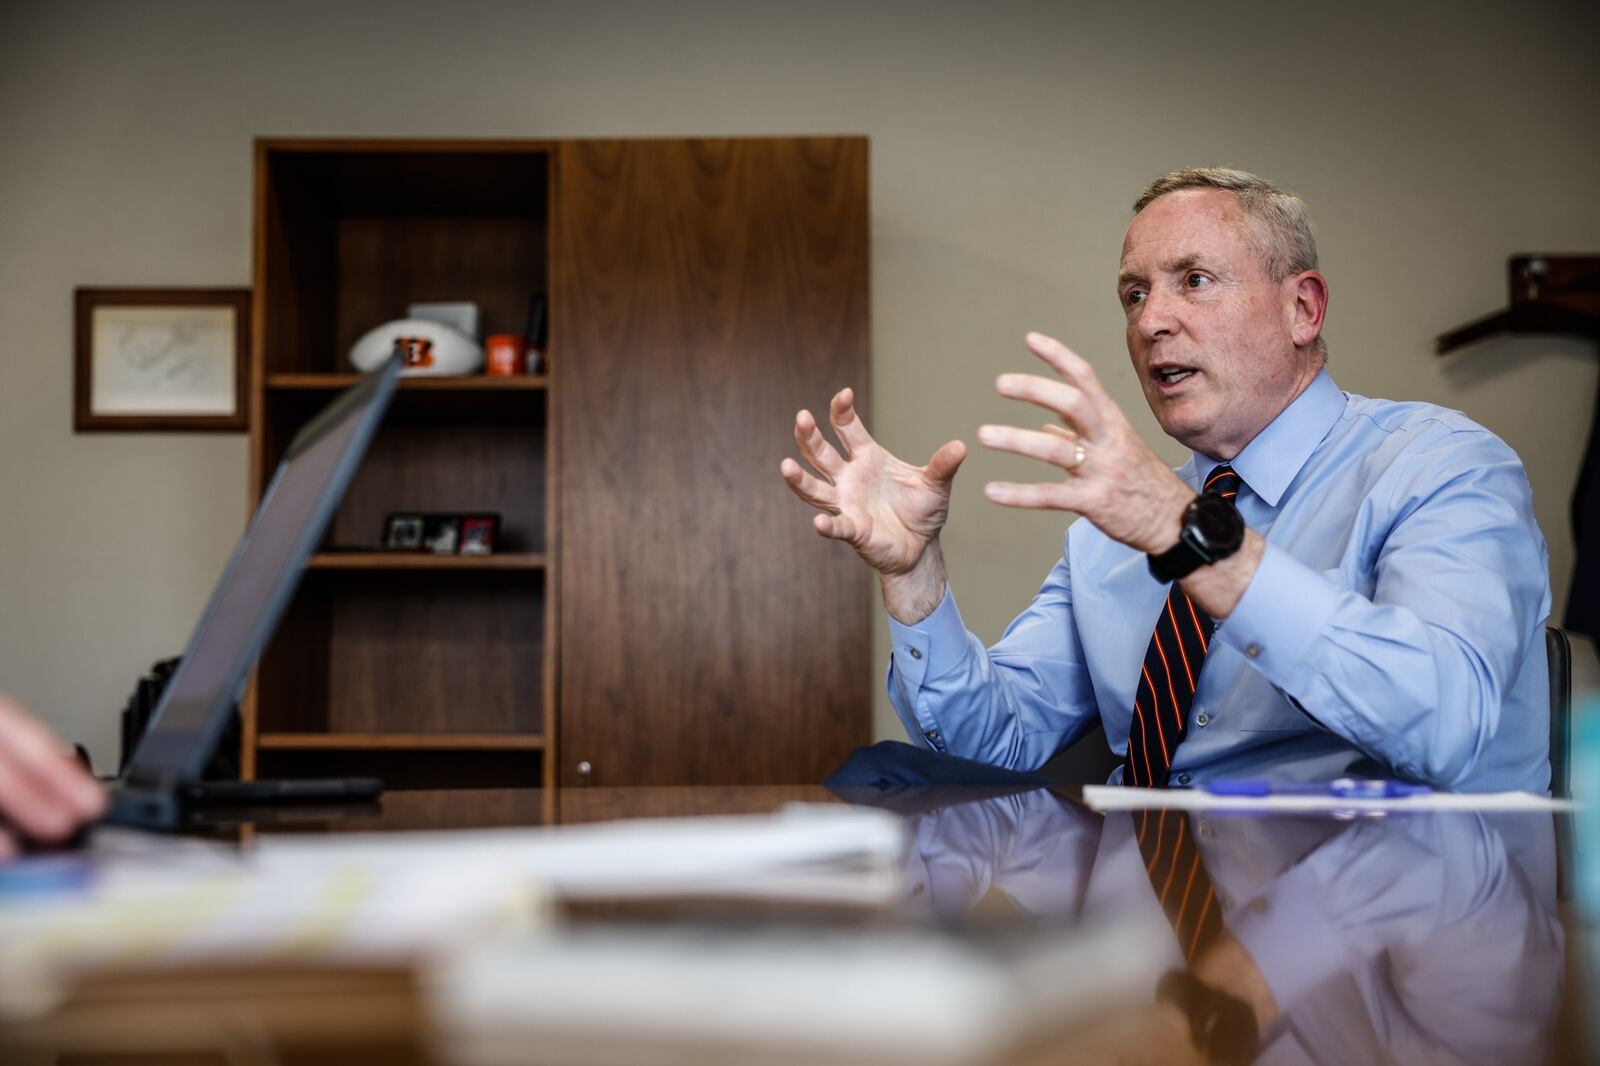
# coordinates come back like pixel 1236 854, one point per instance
pixel 1381 609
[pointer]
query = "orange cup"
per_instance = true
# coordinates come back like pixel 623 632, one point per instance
pixel 504 352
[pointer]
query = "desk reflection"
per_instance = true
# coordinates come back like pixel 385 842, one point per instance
pixel 1422 938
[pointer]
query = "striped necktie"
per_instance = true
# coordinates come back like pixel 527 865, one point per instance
pixel 1179 879
pixel 1170 672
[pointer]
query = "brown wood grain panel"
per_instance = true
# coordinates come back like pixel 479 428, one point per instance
pixel 474 808
pixel 452 468
pixel 468 383
pixel 386 263
pixel 552 490
pixel 705 290
pixel 434 652
pixel 585 804
pixel 296 267
pixel 401 741
pixel 403 560
pixel 291 681
pixel 403 810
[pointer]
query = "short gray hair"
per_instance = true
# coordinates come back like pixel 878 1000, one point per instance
pixel 1282 226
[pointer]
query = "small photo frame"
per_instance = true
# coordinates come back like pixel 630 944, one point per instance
pixel 479 532
pixel 403 532
pixel 441 534
pixel 160 360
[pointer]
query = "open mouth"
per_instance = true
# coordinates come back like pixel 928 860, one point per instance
pixel 1173 374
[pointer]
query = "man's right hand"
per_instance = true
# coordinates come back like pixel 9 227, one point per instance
pixel 888 510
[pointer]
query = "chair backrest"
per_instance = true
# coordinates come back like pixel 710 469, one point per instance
pixel 1558 650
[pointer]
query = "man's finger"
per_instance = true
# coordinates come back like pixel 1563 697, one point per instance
pixel 847 422
pixel 1057 497
pixel 1072 404
pixel 1069 364
pixel 944 463
pixel 1046 447
pixel 815 447
pixel 835 527
pixel 812 490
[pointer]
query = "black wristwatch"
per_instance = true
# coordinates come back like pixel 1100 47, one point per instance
pixel 1212 530
pixel 1223 1027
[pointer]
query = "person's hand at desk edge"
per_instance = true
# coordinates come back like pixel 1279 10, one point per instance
pixel 45 793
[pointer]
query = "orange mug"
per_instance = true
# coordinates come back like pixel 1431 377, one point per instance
pixel 504 351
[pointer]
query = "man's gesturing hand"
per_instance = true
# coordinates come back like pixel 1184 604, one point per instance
pixel 1111 477
pixel 888 510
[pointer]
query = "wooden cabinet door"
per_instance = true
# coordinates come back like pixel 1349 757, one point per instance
pixel 704 291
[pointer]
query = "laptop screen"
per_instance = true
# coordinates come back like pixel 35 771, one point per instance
pixel 256 586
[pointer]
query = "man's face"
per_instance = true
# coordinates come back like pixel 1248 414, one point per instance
pixel 1209 333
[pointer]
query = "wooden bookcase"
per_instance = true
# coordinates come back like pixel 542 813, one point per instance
pixel 432 672
pixel 659 611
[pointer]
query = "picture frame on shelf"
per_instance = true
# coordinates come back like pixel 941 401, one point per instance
pixel 479 534
pixel 403 532
pixel 441 533
pixel 161 359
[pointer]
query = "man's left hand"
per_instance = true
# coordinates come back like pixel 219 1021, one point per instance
pixel 1111 477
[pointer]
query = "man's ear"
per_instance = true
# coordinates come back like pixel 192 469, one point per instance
pixel 1309 292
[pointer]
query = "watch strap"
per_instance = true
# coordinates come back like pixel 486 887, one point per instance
pixel 1222 1026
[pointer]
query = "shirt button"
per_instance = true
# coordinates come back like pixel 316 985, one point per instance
pixel 1184 778
pixel 1205 829
pixel 1253 650
pixel 916 653
pixel 932 734
pixel 1202 719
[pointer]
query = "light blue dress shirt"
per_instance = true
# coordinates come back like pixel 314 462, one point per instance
pixel 1397 617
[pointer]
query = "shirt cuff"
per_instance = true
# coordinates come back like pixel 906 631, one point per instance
pixel 1285 607
pixel 940 638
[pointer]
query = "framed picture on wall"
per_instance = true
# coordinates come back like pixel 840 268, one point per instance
pixel 161 360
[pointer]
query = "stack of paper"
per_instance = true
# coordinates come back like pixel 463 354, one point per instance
pixel 816 852
pixel 680 994
pixel 135 900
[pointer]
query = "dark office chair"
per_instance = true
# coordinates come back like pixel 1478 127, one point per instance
pixel 1558 650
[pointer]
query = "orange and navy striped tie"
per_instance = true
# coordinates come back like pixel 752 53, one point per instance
pixel 1178 875
pixel 1170 672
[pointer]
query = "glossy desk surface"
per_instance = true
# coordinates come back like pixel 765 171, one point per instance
pixel 1403 938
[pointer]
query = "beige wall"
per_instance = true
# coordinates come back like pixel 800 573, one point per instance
pixel 1007 140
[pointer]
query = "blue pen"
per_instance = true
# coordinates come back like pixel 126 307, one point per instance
pixel 1340 788
pixel 46 875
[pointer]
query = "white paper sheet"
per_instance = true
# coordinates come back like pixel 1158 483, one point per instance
pixel 1117 797
pixel 812 852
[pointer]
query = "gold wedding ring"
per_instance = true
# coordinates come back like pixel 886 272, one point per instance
pixel 1077 459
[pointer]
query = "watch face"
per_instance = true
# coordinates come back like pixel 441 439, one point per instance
pixel 1217 523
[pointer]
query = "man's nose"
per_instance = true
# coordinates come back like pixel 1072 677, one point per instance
pixel 1157 316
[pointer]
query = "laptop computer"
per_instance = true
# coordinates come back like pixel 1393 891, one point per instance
pixel 162 780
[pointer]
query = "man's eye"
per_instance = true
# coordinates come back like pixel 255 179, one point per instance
pixel 1194 281
pixel 1134 296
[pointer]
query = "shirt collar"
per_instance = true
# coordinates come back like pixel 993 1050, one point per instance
pixel 1270 462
